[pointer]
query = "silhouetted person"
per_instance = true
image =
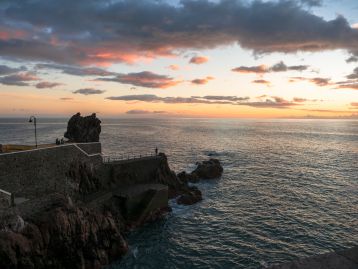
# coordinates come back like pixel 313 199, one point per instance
pixel 156 151
pixel 62 141
pixel 57 141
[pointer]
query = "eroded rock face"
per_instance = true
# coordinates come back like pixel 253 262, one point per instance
pixel 208 169
pixel 186 177
pixel 83 129
pixel 11 220
pixel 65 237
pixel 167 177
pixel 84 176
pixel 191 196
pixel 178 185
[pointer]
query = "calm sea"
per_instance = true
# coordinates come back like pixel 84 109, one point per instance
pixel 289 189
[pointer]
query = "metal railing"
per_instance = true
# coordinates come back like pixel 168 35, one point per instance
pixel 126 157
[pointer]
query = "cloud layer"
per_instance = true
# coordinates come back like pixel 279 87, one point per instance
pixel 261 102
pixel 261 69
pixel 18 79
pixel 103 32
pixel 144 79
pixel 88 91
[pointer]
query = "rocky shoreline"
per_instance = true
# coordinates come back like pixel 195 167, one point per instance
pixel 83 224
pixel 72 235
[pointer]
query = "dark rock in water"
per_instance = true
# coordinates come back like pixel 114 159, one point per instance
pixel 192 196
pixel 83 129
pixel 178 185
pixel 208 169
pixel 205 170
pixel 185 177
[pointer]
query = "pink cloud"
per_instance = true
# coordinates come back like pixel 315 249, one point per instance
pixel 199 60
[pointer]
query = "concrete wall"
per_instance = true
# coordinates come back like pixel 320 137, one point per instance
pixel 38 172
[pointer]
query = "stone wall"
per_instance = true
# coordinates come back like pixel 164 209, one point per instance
pixel 90 148
pixel 38 172
pixel 131 172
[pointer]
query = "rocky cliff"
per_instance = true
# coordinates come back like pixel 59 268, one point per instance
pixel 83 129
pixel 67 236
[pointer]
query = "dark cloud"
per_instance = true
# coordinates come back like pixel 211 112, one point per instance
pixel 352 59
pixel 312 3
pixel 36 50
pixel 269 102
pixel 321 81
pixel 278 67
pixel 99 32
pixel 178 100
pixel 144 79
pixel 88 91
pixel 352 86
pixel 282 67
pixel 6 70
pixel 47 85
pixel 20 79
pixel 299 100
pixel 261 81
pixel 324 110
pixel 354 75
pixel 251 69
pixel 77 70
pixel 317 80
pixel 139 111
pixel 198 60
pixel 225 98
pixel 201 81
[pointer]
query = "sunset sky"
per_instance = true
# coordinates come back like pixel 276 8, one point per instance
pixel 228 58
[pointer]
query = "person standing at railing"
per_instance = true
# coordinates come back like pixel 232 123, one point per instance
pixel 156 151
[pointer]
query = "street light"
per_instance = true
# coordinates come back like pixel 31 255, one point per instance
pixel 33 119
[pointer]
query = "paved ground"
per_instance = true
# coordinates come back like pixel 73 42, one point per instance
pixel 346 259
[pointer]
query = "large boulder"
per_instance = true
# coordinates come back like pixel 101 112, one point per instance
pixel 208 169
pixel 83 129
pixel 205 170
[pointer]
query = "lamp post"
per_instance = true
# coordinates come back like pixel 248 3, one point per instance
pixel 33 119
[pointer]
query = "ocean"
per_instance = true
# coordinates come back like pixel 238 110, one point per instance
pixel 289 188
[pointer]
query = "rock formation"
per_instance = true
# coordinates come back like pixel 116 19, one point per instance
pixel 83 129
pixel 191 196
pixel 208 169
pixel 65 237
pixel 205 170
pixel 178 188
pixel 84 176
